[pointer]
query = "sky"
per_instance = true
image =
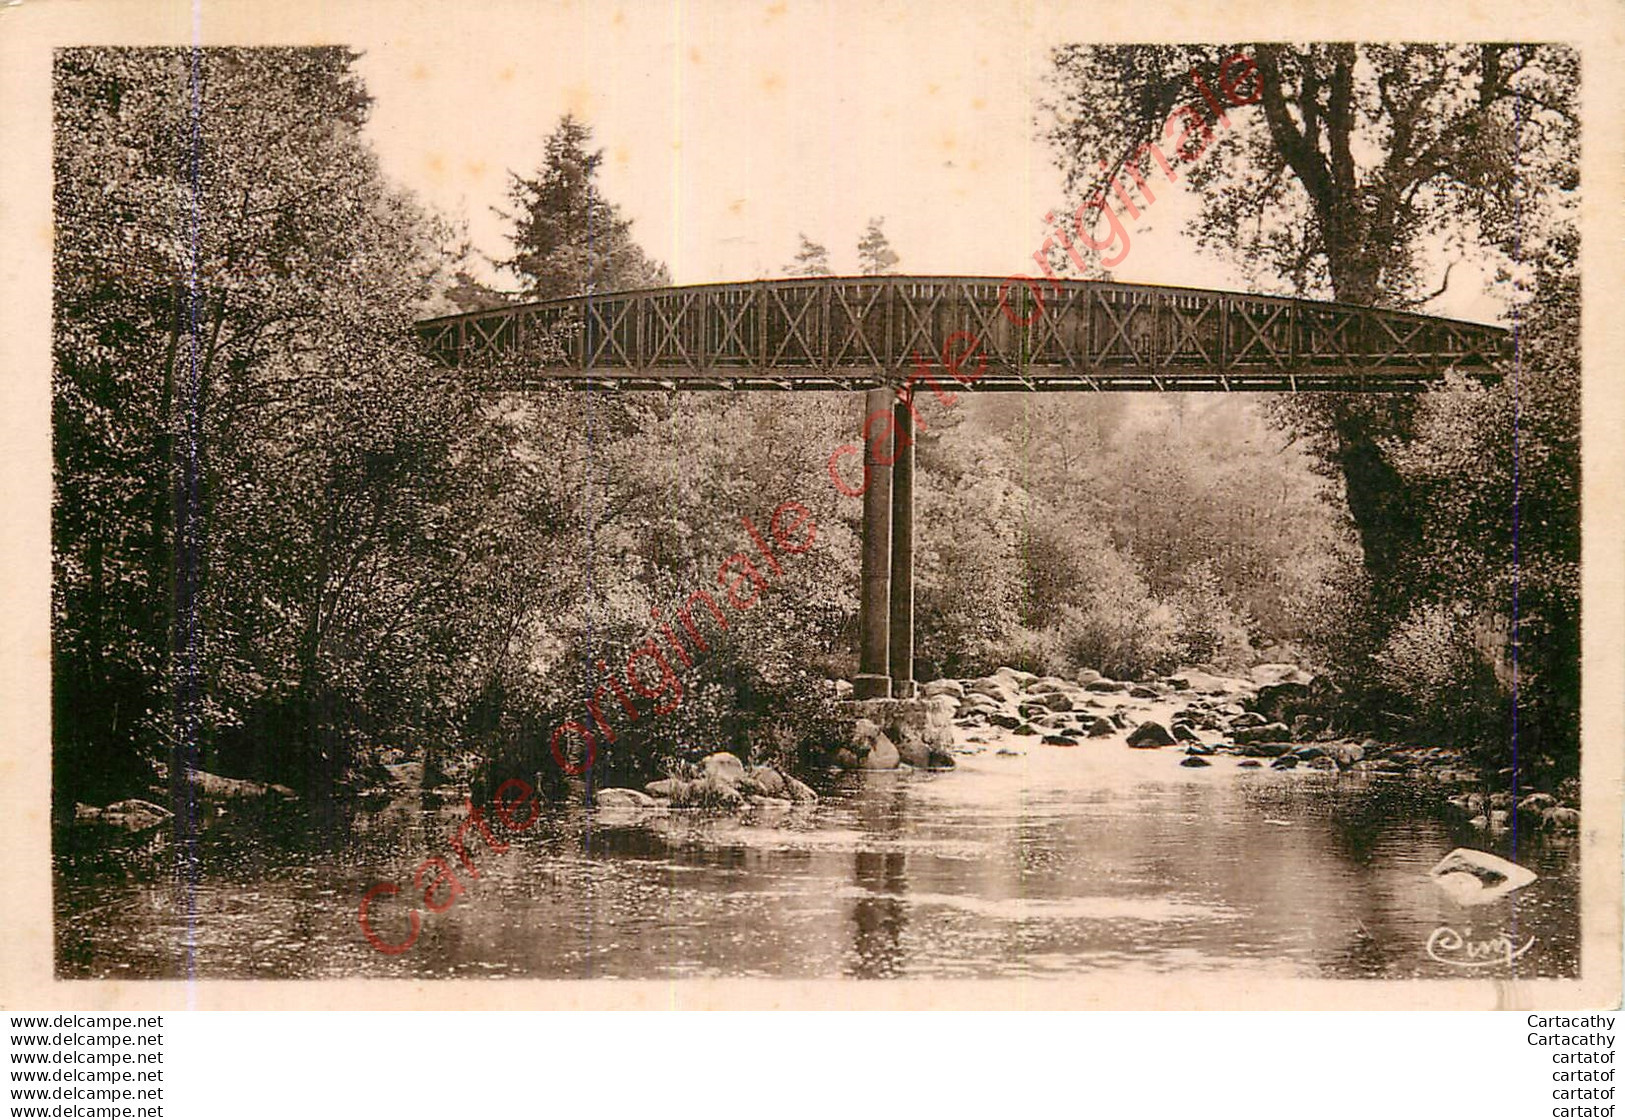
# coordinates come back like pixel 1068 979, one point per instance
pixel 730 128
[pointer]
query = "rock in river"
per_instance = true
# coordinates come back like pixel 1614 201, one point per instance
pixel 623 799
pixel 1472 878
pixel 1561 820
pixel 724 766
pixel 1259 734
pixel 1150 734
pixel 132 815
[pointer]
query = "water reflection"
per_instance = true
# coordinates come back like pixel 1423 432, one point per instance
pixel 1054 862
pixel 878 913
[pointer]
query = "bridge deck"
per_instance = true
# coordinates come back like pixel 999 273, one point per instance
pixel 862 332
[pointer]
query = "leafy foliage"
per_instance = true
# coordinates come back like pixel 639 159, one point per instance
pixel 1353 173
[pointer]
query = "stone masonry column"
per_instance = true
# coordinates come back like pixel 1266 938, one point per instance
pixel 902 553
pixel 874 603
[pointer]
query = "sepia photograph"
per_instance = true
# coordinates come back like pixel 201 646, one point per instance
pixel 839 494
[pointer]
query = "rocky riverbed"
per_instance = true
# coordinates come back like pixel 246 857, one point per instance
pixel 1268 718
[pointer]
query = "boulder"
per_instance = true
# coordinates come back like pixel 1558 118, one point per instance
pixel 922 755
pixel 1185 733
pixel 868 748
pixel 1285 762
pixel 1560 820
pixel 1005 720
pixel 1143 692
pixel 913 752
pixel 943 687
pixel 1276 672
pixel 1025 729
pixel 1470 803
pixel 723 766
pixel 1264 733
pixel 1150 734
pixel 1249 764
pixel 707 793
pixel 1198 749
pixel 798 791
pixel 1345 755
pixel 1087 677
pixel 1533 808
pixel 1055 701
pixel 1472 877
pixel 1266 750
pixel 1100 728
pixel 1308 752
pixel 767 781
pixel 212 787
pixel 1246 720
pixel 1280 701
pixel 1104 686
pixel 665 787
pixel 1020 678
pixel 622 799
pixel 1321 762
pixel 882 754
pixel 132 814
pixel 993 688
pixel 1195 760
pixel 1052 684
pixel 1058 741
pixel 1305 726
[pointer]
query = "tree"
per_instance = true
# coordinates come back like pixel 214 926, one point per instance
pixel 875 254
pixel 811 260
pixel 271 508
pixel 1347 160
pixel 567 238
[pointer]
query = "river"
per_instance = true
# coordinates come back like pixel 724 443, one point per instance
pixel 1049 862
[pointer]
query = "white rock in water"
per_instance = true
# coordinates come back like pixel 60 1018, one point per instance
pixel 1472 878
pixel 623 799
pixel 723 766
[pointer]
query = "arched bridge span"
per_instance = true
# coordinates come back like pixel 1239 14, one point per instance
pixel 863 332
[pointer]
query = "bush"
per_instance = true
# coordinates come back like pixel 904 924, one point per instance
pixel 1032 651
pixel 1119 628
pixel 1208 628
pixel 1444 675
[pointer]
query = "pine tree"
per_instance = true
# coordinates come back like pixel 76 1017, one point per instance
pixel 874 251
pixel 812 260
pixel 567 238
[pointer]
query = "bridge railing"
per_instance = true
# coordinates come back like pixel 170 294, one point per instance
pixel 1067 335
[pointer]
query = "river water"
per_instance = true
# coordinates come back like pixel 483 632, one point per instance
pixel 1050 862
